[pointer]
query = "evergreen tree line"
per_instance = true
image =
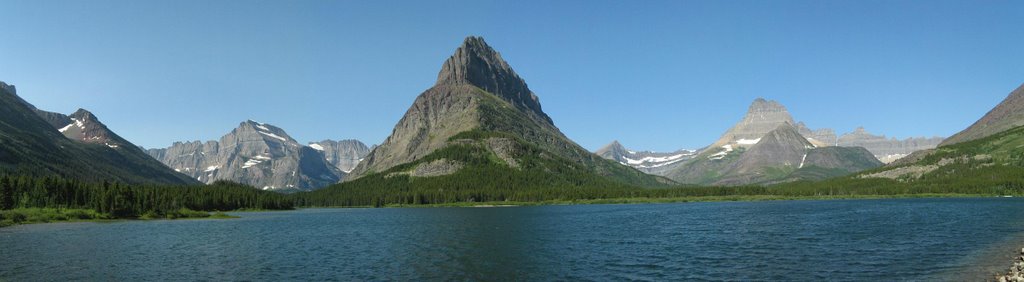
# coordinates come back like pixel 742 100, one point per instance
pixel 497 184
pixel 132 200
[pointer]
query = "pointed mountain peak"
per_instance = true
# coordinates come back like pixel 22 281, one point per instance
pixel 762 117
pixel 614 146
pixel 476 63
pixel 760 105
pixel 83 114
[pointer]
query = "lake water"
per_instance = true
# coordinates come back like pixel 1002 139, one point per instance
pixel 872 240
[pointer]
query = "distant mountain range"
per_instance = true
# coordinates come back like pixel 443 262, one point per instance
pixel 646 161
pixel 78 146
pixel 725 166
pixel 264 156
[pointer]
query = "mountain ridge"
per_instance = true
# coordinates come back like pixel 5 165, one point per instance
pixel 253 153
pixel 33 145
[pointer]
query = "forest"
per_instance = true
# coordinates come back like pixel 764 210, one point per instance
pixel 31 196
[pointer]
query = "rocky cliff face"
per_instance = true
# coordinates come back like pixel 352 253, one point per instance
pixel 38 142
pixel 646 161
pixel 478 94
pixel 255 153
pixel 1005 116
pixel 476 64
pixel 885 149
pixel 344 154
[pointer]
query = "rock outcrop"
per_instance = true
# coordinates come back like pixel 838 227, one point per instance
pixel 256 154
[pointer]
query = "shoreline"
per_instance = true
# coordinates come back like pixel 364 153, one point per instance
pixel 97 217
pixel 1016 272
pixel 701 199
pixel 29 216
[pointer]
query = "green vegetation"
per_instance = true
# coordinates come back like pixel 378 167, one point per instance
pixel 541 180
pixel 25 199
pixel 41 215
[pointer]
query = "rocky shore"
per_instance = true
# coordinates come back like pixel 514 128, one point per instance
pixel 1016 272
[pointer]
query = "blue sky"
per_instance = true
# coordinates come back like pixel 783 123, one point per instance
pixel 654 75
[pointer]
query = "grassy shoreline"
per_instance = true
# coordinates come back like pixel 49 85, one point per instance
pixel 22 216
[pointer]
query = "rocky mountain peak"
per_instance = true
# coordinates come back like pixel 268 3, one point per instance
pixel 254 153
pixel 84 115
pixel 615 144
pixel 476 63
pixel 762 117
pixel 614 151
pixel 760 105
pixel 265 131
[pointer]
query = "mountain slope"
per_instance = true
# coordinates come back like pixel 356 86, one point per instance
pixel 256 154
pixel 30 144
pixel 478 92
pixel 1005 116
pixel 972 153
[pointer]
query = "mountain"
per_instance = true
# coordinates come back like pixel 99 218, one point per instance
pixel 78 146
pixel 885 149
pixel 1005 116
pixel 766 146
pixel 785 155
pixel 256 154
pixel 762 117
pixel 481 118
pixel 646 161
pixel 344 154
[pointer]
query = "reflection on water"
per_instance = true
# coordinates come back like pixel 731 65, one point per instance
pixel 920 239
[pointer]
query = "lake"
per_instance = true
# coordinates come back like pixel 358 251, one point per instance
pixel 868 240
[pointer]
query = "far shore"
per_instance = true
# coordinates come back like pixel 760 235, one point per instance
pixel 613 201
pixel 51 215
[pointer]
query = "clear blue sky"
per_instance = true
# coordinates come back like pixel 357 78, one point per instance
pixel 654 75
